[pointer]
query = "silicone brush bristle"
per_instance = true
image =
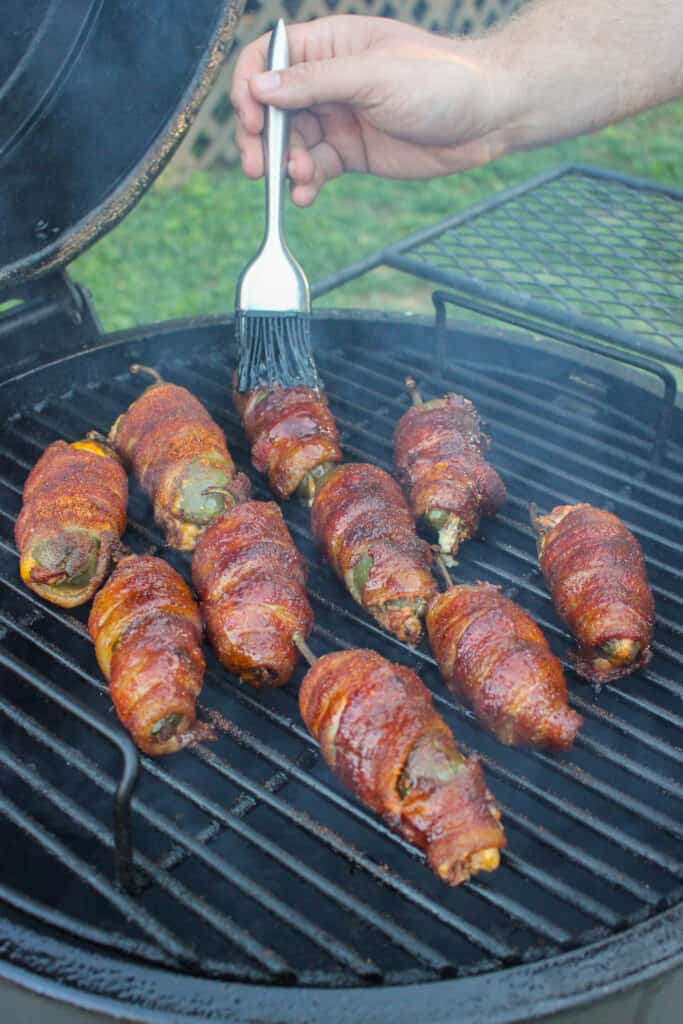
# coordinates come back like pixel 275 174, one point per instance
pixel 274 348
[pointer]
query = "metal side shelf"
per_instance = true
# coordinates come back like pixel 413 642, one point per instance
pixel 584 249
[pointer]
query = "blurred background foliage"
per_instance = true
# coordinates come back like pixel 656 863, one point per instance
pixel 179 252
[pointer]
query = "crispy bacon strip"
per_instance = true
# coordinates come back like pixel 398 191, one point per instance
pixel 168 439
pixel 251 581
pixel 72 516
pixel 497 662
pixel 147 632
pixel 439 453
pixel 379 732
pixel 595 572
pixel 292 434
pixel 364 526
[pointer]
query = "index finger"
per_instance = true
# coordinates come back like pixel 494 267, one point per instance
pixel 250 62
pixel 336 35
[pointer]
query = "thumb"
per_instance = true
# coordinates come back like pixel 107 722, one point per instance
pixel 334 80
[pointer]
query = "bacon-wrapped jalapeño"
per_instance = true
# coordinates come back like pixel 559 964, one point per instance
pixel 251 581
pixel 147 631
pixel 178 453
pixel 71 520
pixel 596 575
pixel 497 662
pixel 366 531
pixel 292 434
pixel 379 732
pixel 439 453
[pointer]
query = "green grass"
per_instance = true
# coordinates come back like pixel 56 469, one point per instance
pixel 179 251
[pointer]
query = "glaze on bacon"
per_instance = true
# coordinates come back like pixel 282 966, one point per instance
pixel 71 520
pixel 439 453
pixel 365 529
pixel 292 434
pixel 147 632
pixel 380 734
pixel 496 660
pixel 251 581
pixel 176 450
pixel 596 575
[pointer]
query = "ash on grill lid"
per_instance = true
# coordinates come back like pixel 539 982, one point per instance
pixel 94 97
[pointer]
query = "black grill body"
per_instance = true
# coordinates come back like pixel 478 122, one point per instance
pixel 264 891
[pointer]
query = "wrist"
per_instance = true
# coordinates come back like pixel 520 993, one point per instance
pixel 500 103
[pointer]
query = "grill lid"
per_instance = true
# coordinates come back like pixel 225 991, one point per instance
pixel 94 98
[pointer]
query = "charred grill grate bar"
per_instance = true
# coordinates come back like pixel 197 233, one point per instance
pixel 250 861
pixel 130 763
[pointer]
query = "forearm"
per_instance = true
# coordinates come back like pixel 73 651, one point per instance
pixel 578 66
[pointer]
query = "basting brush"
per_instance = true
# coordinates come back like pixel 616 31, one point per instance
pixel 273 302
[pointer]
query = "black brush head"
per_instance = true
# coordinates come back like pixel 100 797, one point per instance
pixel 274 348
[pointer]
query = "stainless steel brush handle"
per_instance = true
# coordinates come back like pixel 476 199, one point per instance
pixel 275 142
pixel 274 281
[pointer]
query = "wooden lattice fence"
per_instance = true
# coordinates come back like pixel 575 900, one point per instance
pixel 211 139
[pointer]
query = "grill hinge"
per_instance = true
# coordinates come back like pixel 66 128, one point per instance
pixel 43 320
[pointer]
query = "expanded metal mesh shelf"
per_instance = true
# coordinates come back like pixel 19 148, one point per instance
pixel 591 250
pixel 251 861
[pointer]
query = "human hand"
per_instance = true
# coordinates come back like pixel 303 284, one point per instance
pixel 373 95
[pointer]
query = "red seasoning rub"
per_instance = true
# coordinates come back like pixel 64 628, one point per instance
pixel 596 576
pixel 439 453
pixel 251 581
pixel 177 451
pixel 380 734
pixel 73 514
pixel 292 434
pixel 496 660
pixel 147 632
pixel 366 531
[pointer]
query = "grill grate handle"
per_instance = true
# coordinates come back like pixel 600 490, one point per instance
pixel 130 768
pixel 528 322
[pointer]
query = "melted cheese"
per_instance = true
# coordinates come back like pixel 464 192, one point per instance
pixel 90 446
pixel 25 568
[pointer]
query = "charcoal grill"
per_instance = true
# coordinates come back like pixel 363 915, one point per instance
pixel 239 881
pixel 251 864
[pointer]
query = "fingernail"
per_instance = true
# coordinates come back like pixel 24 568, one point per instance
pixel 290 168
pixel 267 81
